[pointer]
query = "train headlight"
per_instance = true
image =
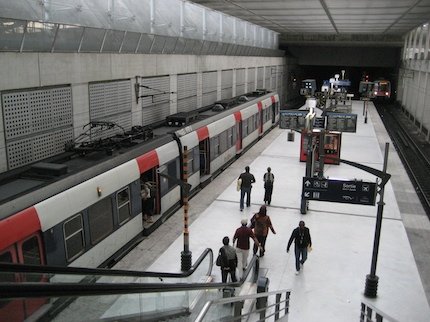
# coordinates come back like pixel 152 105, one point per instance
pixel 386 93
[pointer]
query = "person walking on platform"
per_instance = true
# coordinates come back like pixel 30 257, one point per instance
pixel 247 179
pixel 242 235
pixel 302 240
pixel 228 260
pixel 268 178
pixel 261 223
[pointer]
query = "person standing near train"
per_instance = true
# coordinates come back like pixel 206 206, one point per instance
pixel 247 179
pixel 268 179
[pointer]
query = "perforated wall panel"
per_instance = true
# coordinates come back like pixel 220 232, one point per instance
pixel 226 83
pixel 267 78
pixel 209 88
pixel 108 98
pixel 273 74
pixel 209 82
pixel 156 104
pixel 260 77
pixel 32 120
pixel 251 79
pixel 240 81
pixel 187 92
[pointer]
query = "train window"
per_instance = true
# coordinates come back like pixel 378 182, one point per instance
pixel 172 170
pixel 31 251
pixel 190 162
pixel 230 140
pixel 6 257
pixel 223 141
pixel 215 147
pixel 123 204
pixel 100 219
pixel 245 128
pixel 74 237
pixel 196 158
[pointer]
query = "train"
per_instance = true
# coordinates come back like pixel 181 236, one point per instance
pixel 382 89
pixel 83 211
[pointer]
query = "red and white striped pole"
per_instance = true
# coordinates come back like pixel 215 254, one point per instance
pixel 186 257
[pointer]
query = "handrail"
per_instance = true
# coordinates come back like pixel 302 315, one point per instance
pixel 20 268
pixel 366 313
pixel 36 290
pixel 240 298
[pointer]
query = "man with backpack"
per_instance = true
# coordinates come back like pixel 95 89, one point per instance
pixel 268 178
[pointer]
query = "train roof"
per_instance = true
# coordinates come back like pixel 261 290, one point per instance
pixel 23 187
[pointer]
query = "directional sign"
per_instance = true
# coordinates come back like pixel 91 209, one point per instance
pixel 355 192
pixel 292 119
pixel 319 122
pixel 341 122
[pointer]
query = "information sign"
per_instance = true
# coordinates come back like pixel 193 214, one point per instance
pixel 341 122
pixel 292 119
pixel 354 192
pixel 319 122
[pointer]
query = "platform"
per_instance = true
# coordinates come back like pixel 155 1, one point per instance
pixel 331 285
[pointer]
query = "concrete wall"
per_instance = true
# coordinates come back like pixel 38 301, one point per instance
pixel 33 70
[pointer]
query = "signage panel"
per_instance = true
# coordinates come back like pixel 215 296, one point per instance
pixel 354 192
pixel 341 122
pixel 292 119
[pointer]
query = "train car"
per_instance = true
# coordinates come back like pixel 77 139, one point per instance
pixel 382 89
pixel 214 142
pixel 90 209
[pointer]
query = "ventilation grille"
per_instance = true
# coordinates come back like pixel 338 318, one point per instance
pixel 37 123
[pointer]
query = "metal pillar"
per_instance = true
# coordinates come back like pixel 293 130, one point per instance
pixel 371 287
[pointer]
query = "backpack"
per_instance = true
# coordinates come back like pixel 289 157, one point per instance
pixel 269 178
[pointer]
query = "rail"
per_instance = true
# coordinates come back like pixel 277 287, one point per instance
pixel 278 309
pixel 369 313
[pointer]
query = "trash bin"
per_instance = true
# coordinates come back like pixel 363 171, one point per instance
pixel 262 287
pixel 290 136
pixel 228 292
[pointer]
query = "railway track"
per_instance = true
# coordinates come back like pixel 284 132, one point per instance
pixel 414 154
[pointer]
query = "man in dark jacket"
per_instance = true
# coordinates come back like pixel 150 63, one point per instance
pixel 245 188
pixel 302 240
pixel 228 260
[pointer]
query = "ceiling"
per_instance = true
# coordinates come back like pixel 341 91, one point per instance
pixel 353 22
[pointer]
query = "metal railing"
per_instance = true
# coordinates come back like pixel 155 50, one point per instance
pixel 265 307
pixel 369 313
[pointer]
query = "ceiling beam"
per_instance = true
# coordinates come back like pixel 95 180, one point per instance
pixel 323 4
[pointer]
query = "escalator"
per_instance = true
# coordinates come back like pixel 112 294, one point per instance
pixel 71 294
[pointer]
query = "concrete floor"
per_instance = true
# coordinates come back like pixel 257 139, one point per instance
pixel 331 286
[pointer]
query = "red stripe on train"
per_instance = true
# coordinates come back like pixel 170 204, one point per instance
pixel 202 133
pixel 260 106
pixel 18 227
pixel 238 116
pixel 273 99
pixel 147 161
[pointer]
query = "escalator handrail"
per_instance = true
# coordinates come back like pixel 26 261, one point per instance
pixel 37 290
pixel 20 268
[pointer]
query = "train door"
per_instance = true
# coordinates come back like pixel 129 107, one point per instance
pixel 204 157
pixel 151 203
pixel 28 251
pixel 260 120
pixel 273 109
pixel 239 136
